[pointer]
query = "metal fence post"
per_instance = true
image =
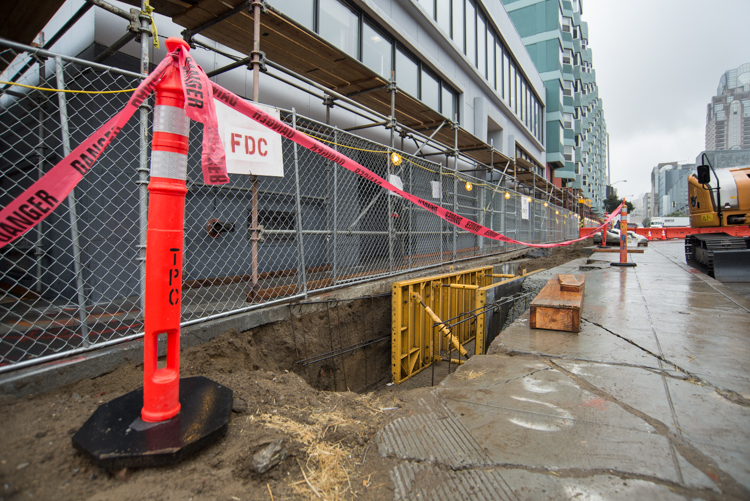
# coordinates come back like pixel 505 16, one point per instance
pixel 455 187
pixel 143 168
pixel 335 206
pixel 39 244
pixel 72 204
pixel 302 274
pixel 440 179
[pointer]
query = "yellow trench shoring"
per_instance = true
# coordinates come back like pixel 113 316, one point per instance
pixel 420 308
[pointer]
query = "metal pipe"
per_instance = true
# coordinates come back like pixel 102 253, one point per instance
pixel 229 67
pixel 256 92
pixel 45 53
pixel 416 153
pixel 225 187
pixel 143 167
pixel 455 186
pixel 335 208
pixel 113 9
pixel 39 244
pixel 127 37
pixel 72 204
pixel 365 126
pixel 52 41
pixel 302 277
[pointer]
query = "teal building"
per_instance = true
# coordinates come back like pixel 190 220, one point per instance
pixel 557 41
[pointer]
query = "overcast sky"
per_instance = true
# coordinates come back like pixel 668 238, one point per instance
pixel 658 63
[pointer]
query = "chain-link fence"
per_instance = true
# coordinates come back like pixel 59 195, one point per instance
pixel 75 282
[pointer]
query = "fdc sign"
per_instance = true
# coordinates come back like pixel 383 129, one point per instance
pixel 251 148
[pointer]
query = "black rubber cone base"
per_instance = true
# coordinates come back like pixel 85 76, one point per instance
pixel 626 265
pixel 115 437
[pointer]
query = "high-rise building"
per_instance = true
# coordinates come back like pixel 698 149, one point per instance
pixel 557 40
pixel 728 113
pixel 669 188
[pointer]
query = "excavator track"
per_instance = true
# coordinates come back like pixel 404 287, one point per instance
pixel 725 257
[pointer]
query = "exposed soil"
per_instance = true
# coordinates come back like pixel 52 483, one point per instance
pixel 326 430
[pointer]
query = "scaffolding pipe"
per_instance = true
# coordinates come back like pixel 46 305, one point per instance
pixel 255 53
pixel 40 150
pixel 74 235
pixel 52 41
pixel 143 166
pixel 302 276
pixel 114 9
pixel 45 53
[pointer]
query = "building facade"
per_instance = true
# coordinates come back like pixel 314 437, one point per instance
pixel 669 189
pixel 728 113
pixel 462 58
pixel 557 40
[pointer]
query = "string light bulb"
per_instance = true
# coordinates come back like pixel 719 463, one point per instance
pixel 469 186
pixel 395 158
pixel 545 204
pixel 507 196
pixel 557 212
pixel 528 199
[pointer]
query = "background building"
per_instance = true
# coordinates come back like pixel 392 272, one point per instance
pixel 728 113
pixel 669 188
pixel 557 40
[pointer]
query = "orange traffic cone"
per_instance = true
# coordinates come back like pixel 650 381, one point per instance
pixel 649 235
pixel 663 234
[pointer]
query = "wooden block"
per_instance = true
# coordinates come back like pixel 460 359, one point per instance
pixel 556 309
pixel 570 283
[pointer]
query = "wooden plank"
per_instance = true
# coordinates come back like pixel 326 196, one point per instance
pixel 571 283
pixel 555 309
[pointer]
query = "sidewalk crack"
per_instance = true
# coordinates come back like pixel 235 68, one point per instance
pixel 730 395
pixel 725 482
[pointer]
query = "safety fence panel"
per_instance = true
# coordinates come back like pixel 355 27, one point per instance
pixel 73 282
pixel 76 281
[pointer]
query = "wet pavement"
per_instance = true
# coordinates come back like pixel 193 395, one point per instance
pixel 650 400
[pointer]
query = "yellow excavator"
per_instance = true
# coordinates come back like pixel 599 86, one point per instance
pixel 720 201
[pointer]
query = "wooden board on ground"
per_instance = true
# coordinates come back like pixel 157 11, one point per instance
pixel 571 283
pixel 556 309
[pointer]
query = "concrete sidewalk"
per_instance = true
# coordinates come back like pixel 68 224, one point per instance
pixel 651 400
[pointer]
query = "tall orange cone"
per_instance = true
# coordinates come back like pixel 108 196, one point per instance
pixel 166 214
pixel 623 237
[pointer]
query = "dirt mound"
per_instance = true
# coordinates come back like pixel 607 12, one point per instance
pixel 326 435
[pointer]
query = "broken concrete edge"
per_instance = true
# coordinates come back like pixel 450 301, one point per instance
pixel 50 376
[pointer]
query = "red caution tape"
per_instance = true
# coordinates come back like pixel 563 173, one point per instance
pixel 321 149
pixel 42 197
pixel 38 201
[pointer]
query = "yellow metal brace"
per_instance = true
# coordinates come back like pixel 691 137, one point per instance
pixel 445 330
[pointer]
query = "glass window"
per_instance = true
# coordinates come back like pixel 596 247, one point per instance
pixel 377 52
pixel 491 59
pixel 517 92
pixel 522 100
pixel 407 74
pixel 304 14
pixel 481 46
pixel 512 88
pixel 458 24
pixel 449 104
pixel 429 6
pixel 430 91
pixel 499 67
pixel 506 76
pixel 340 26
pixel 443 14
pixel 471 32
